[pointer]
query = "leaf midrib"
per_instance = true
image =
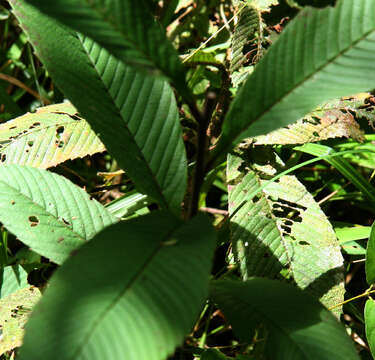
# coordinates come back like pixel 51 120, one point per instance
pixel 126 127
pixel 114 302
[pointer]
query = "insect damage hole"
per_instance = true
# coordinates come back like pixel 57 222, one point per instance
pixel 34 221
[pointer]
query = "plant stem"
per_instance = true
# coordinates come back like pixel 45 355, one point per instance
pixel 203 120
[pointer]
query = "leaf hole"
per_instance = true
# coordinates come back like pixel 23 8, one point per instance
pixel 59 131
pixel 30 143
pixel 3 157
pixel 303 243
pixel 34 221
pixel 66 222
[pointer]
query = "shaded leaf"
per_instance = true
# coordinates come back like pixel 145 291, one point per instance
pixel 282 227
pixel 249 22
pixel 14 312
pixel 51 135
pixel 322 54
pixel 370 323
pixel 370 257
pixel 135 116
pixel 125 28
pixel 152 284
pixel 12 278
pixel 213 354
pixel 47 212
pixel 299 327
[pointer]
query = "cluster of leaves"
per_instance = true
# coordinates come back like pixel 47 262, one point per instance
pixel 232 219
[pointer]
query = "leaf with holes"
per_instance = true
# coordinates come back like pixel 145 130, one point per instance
pixel 135 116
pixel 327 122
pixel 322 54
pixel 281 226
pixel 12 278
pixel 51 135
pixel 47 212
pixel 152 283
pixel 126 28
pixel 14 312
pixel 298 327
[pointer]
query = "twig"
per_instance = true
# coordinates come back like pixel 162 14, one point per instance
pixel 14 81
pixel 214 211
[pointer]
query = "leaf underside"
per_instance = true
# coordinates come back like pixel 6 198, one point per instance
pixel 12 278
pixel 322 54
pixel 47 212
pixel 299 327
pixel 135 307
pixel 135 116
pixel 282 227
pixel 48 137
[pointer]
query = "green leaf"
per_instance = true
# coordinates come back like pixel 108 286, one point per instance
pixel 370 257
pixel 213 354
pixel 14 312
pixel 152 283
pixel 12 278
pixel 343 166
pixel 47 212
pixel 299 327
pixel 370 323
pixel 322 54
pixel 135 116
pixel 281 227
pixel 51 135
pixel 125 28
pixel 128 205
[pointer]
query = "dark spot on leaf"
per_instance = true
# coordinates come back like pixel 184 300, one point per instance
pixel 36 124
pixel 61 239
pixel 66 222
pixel 34 221
pixel 303 243
pixel 73 252
pixel 13 127
pixel 12 202
pixel 3 157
